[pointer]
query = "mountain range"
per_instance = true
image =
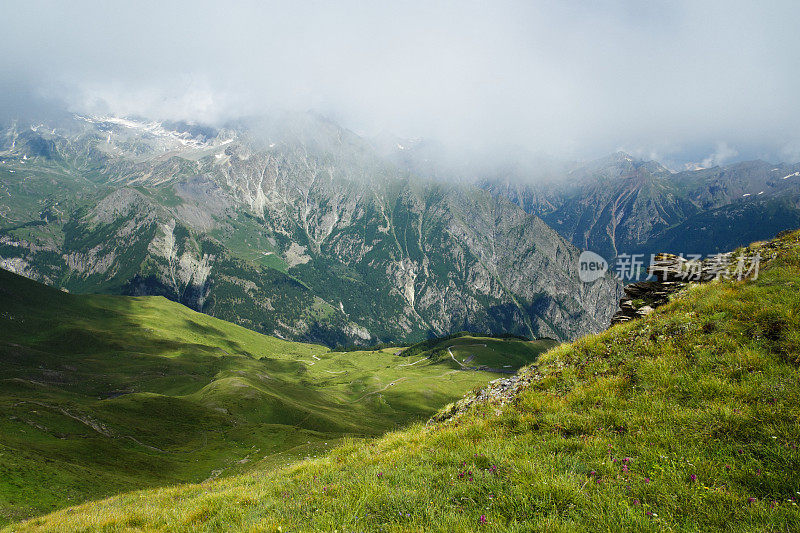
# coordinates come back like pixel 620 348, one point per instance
pixel 619 204
pixel 291 226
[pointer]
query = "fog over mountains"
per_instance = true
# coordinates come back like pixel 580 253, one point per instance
pixel 380 266
pixel 683 82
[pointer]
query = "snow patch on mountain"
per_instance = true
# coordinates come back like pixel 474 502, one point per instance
pixel 153 128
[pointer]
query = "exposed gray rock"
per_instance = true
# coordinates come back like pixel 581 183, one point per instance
pixel 643 297
pixel 673 273
pixel 496 393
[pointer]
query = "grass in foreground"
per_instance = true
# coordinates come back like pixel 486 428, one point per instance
pixel 105 394
pixel 685 421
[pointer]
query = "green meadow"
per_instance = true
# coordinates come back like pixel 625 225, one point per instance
pixel 105 394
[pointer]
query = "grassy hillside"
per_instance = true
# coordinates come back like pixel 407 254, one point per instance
pixel 104 394
pixel 464 351
pixel 685 421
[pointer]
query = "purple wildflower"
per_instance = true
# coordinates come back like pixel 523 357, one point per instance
pixel 647 480
pixel 483 519
pixel 694 477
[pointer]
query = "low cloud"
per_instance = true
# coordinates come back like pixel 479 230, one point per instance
pixel 721 155
pixel 570 79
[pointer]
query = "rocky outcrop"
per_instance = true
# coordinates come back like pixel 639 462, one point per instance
pixel 497 393
pixel 672 273
pixel 643 297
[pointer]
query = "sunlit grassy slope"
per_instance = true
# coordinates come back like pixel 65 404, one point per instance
pixel 684 421
pixel 464 351
pixel 104 394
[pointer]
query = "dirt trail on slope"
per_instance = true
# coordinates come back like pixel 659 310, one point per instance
pixel 381 390
pixel 453 357
pixel 412 364
pixel 477 368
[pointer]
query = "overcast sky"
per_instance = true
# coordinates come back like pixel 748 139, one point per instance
pixel 675 80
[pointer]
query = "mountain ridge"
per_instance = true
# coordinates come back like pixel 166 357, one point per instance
pixel 619 205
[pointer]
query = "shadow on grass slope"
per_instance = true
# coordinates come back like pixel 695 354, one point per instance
pixel 106 394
